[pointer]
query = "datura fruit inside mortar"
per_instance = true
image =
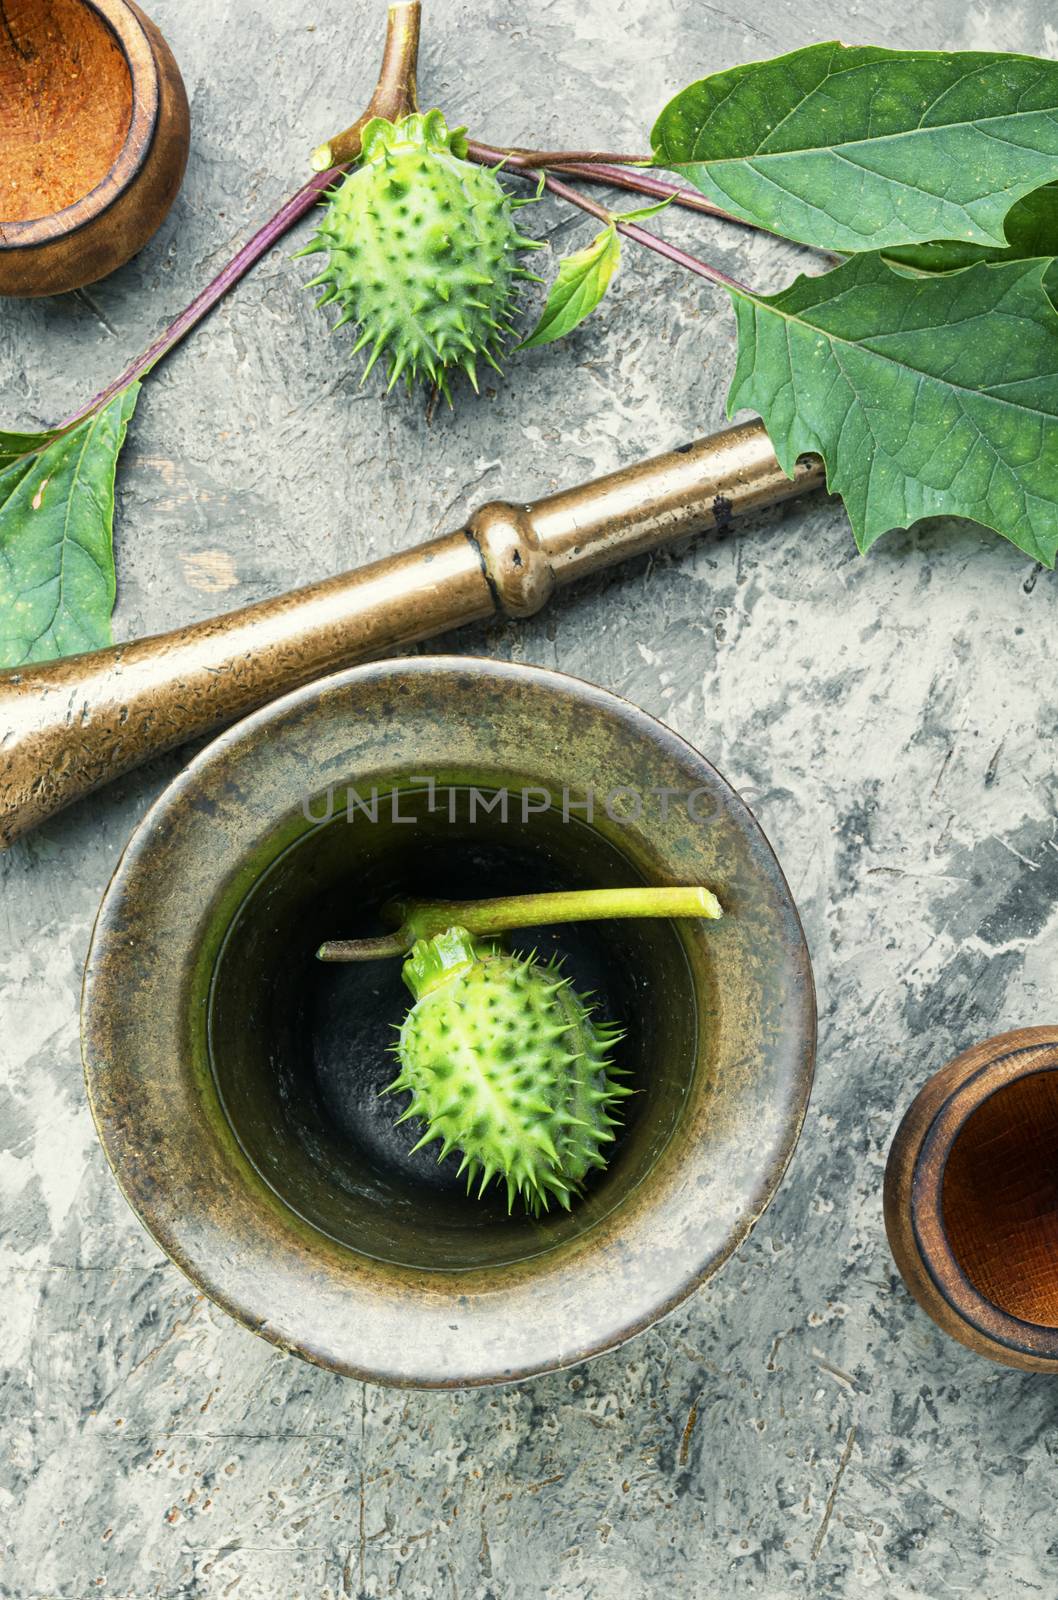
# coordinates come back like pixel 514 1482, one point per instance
pixel 422 252
pixel 505 1062
pixel 502 1058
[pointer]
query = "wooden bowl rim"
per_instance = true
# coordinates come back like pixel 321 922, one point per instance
pixel 131 36
pixel 984 1074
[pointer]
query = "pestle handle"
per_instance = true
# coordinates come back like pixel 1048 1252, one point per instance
pixel 69 726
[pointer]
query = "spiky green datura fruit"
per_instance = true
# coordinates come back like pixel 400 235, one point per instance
pixel 422 252
pixel 504 1062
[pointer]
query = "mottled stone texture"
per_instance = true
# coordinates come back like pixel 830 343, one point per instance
pixel 798 1427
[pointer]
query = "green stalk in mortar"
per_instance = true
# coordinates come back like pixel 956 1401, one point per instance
pixel 502 1059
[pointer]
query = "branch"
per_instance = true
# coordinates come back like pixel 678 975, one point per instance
pixel 395 90
pixel 657 188
pixel 571 158
pixel 593 167
pixel 671 252
pixel 396 94
pixel 240 264
pixel 485 155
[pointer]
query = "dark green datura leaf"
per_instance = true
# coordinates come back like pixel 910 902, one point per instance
pixel 924 396
pixel 583 279
pixel 13 446
pixel 863 148
pixel 56 531
pixel 1031 228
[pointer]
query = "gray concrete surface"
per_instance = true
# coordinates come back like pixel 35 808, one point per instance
pixel 798 1427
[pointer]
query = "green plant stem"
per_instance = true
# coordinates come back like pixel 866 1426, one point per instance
pixel 423 919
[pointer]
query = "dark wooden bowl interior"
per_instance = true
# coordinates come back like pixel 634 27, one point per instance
pixel 65 105
pixel 1000 1198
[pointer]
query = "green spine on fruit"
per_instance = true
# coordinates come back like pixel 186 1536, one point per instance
pixel 422 252
pixel 505 1063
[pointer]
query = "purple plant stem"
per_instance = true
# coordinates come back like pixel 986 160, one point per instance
pixel 599 171
pixel 682 258
pixel 263 240
pixel 651 241
pixel 486 155
pixel 657 188
pixel 534 159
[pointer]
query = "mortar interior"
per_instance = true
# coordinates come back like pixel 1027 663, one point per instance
pixel 300 1050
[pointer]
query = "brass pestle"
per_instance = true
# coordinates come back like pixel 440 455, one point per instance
pixel 68 726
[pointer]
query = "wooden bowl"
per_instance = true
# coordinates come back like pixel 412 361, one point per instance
pixel 971 1198
pixel 235 1080
pixel 94 134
